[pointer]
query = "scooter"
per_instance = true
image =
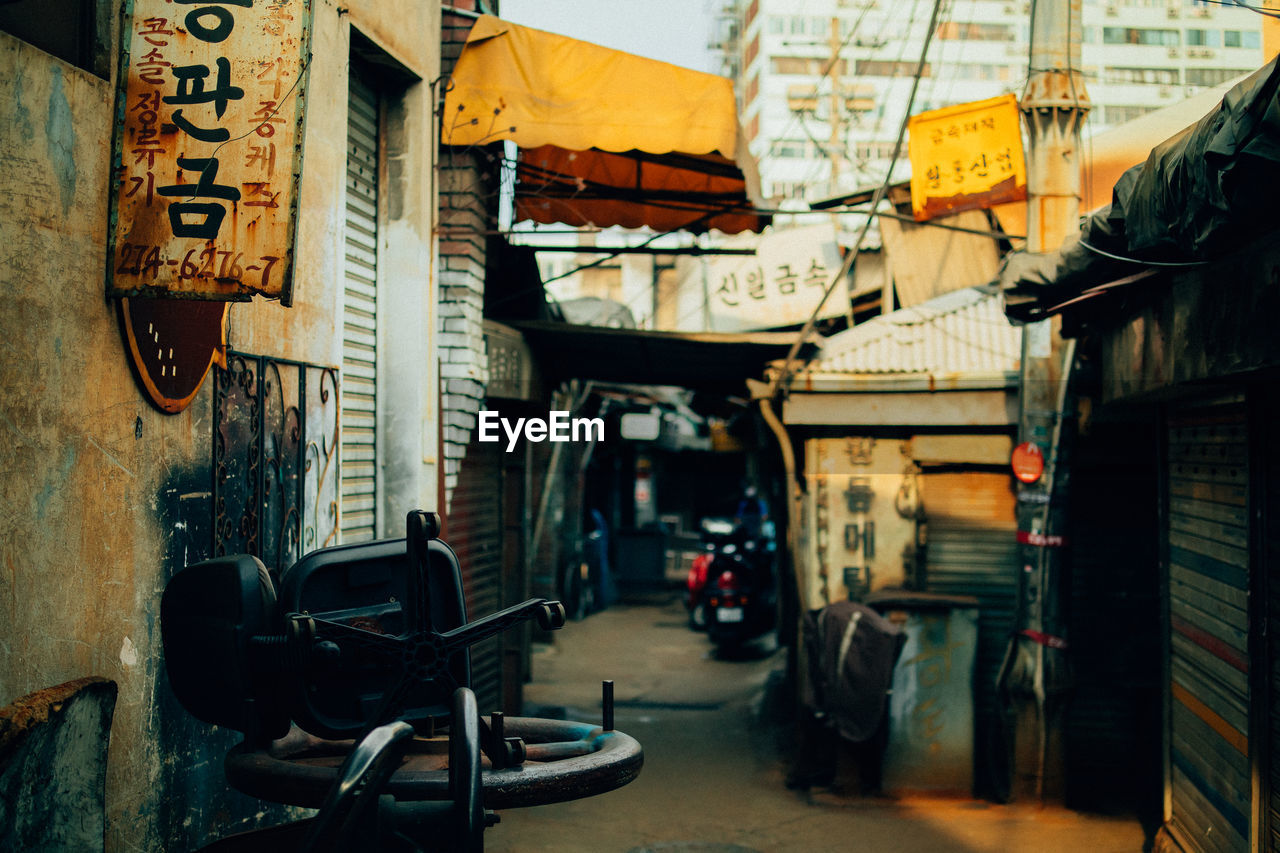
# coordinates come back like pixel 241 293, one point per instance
pixel 716 533
pixel 740 596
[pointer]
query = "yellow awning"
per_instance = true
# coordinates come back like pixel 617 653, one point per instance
pixel 606 137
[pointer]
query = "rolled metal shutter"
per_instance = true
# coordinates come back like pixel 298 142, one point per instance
pixel 972 550
pixel 1208 553
pixel 359 317
pixel 1272 557
pixel 474 531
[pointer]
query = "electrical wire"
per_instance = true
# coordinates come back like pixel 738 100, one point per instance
pixel 784 376
pixel 1171 264
pixel 1270 13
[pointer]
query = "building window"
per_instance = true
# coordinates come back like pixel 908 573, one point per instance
pixel 1137 35
pixel 1122 114
pixel 806 65
pixel 1204 38
pixel 1213 76
pixel 1157 76
pixel 871 151
pixel 976 32
pixel 886 68
pixel 787 190
pixel 795 148
pixel 1241 38
pixel 75 31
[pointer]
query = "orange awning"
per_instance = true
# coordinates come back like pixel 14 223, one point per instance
pixel 605 137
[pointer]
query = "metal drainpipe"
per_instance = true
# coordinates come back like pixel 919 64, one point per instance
pixel 1033 676
pixel 793 516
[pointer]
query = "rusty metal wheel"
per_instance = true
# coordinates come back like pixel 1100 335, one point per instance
pixel 565 760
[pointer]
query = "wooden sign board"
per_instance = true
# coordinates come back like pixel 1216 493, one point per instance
pixel 208 148
pixel 965 157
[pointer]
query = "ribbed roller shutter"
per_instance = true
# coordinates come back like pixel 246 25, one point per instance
pixel 1113 726
pixel 1272 557
pixel 972 550
pixel 474 531
pixel 1208 552
pixel 359 317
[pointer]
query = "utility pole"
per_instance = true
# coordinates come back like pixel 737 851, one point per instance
pixel 834 146
pixel 1035 679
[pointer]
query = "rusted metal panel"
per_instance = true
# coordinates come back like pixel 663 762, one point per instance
pixel 926 262
pixel 970 549
pixel 931 707
pixel 961 449
pixel 958 333
pixel 53 766
pixel 863 540
pixel 208 149
pixel 968 408
pixel 511 363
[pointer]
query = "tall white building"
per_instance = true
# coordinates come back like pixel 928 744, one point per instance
pixel 823 84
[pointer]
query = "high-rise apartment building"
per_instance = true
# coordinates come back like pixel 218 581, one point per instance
pixel 823 84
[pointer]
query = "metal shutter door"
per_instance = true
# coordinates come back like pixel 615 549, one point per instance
pixel 973 550
pixel 1271 472
pixel 1208 548
pixel 359 318
pixel 474 531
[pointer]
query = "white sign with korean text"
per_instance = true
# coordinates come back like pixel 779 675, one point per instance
pixel 208 148
pixel 778 286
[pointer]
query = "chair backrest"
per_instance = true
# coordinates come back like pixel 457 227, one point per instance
pixel 210 614
pixel 233 661
pixel 366 586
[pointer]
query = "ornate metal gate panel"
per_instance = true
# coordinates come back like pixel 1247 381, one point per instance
pixel 275 465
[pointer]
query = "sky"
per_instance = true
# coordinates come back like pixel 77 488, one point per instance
pixel 675 31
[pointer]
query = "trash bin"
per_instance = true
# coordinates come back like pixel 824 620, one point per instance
pixel 931 727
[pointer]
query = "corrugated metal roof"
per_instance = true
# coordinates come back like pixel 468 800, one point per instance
pixel 960 332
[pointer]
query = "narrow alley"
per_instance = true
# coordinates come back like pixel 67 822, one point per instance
pixel 713 780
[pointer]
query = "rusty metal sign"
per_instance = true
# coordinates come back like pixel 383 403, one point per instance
pixel 208 148
pixel 172 346
pixel 966 156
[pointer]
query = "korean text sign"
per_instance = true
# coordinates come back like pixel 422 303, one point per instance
pixel 965 157
pixel 208 149
pixel 780 284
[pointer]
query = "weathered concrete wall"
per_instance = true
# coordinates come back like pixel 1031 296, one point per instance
pixel 104 497
pixel 1212 322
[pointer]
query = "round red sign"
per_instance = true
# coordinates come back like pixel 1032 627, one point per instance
pixel 1028 462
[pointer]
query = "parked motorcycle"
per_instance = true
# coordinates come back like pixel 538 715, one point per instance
pixel 715 533
pixel 739 597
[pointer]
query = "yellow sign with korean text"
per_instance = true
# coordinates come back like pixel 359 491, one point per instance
pixel 966 156
pixel 208 149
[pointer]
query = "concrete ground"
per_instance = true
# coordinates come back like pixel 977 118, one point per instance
pixel 713 775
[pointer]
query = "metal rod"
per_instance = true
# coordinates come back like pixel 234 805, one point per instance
pixel 497 740
pixel 636 250
pixel 606 704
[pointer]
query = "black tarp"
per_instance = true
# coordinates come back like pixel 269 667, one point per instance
pixel 1199 194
